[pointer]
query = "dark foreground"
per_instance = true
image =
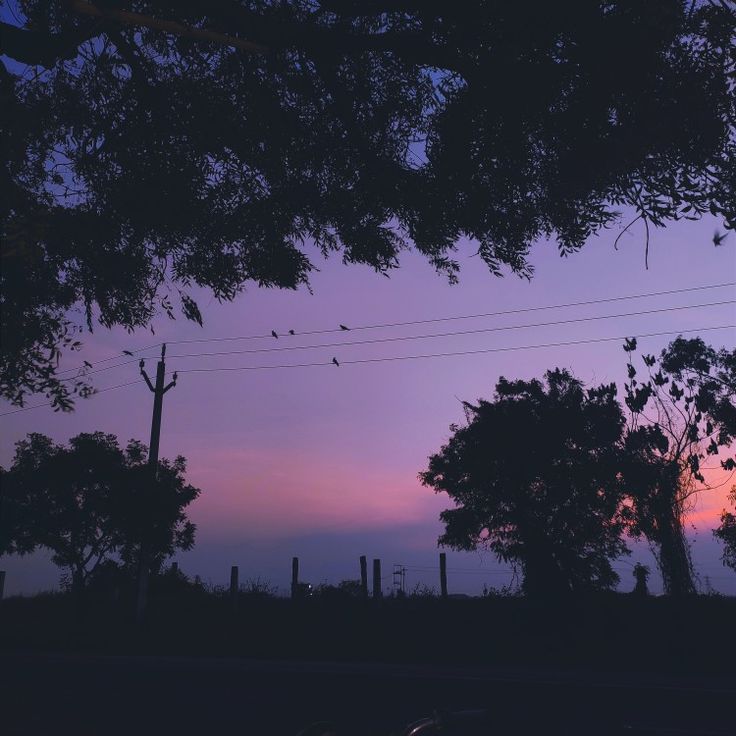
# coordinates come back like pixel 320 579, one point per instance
pixel 208 664
pixel 88 694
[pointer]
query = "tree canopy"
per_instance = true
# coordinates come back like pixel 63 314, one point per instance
pixel 91 503
pixel 682 408
pixel 533 475
pixel 151 146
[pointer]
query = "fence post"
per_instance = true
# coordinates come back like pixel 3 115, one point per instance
pixel 364 576
pixel 294 577
pixel 234 584
pixel 376 578
pixel 443 574
pixel 2 583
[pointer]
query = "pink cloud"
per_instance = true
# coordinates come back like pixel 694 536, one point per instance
pixel 266 492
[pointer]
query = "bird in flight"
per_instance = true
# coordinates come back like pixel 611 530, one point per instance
pixel 87 363
pixel 291 332
pixel 334 360
pixel 127 352
pixel 273 334
pixel 342 327
pixel 718 238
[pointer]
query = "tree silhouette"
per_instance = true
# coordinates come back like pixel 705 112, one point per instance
pixel 726 533
pixel 681 412
pixel 154 146
pixel 91 502
pixel 533 475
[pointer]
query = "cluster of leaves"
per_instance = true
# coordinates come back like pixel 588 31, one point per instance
pixel 726 533
pixel 93 504
pixel 141 161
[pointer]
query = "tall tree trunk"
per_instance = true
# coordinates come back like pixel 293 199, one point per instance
pixel 673 551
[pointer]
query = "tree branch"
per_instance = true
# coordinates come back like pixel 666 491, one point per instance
pixel 128 18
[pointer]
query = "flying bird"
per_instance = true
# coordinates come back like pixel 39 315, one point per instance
pixel 291 332
pixel 342 327
pixel 88 364
pixel 273 334
pixel 334 360
pixel 127 352
pixel 718 238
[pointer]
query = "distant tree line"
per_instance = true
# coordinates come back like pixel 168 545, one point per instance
pixel 551 475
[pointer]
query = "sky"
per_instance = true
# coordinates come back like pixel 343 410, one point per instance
pixel 321 462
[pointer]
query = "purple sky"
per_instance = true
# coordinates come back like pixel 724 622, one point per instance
pixel 322 462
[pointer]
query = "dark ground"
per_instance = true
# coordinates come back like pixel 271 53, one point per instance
pixel 590 666
pixel 53 694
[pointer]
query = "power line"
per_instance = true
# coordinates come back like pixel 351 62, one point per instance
pixel 50 403
pixel 456 353
pixel 463 316
pixel 422 321
pixel 456 333
pixel 415 357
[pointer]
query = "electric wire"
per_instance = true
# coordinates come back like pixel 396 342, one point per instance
pixel 411 357
pixel 455 353
pixel 588 302
pixel 405 338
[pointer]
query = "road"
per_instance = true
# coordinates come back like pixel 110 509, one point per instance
pixel 42 695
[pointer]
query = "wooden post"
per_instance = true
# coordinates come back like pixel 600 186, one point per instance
pixel 364 576
pixel 2 583
pixel 234 584
pixel 376 578
pixel 294 577
pixel 443 574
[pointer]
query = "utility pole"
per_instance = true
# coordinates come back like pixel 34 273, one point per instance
pixel 158 390
pixel 443 574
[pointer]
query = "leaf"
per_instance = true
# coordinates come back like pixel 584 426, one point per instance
pixel 190 308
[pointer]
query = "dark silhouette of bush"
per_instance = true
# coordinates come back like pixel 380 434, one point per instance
pixel 344 590
pixel 641 575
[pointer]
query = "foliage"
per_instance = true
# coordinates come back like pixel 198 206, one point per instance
pixel 141 162
pixel 258 588
pixel 91 501
pixel 423 591
pixel 533 475
pixel 681 412
pixel 726 533
pixel 344 590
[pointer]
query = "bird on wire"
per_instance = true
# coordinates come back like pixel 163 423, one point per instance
pixel 127 352
pixel 88 364
pixel 291 332
pixel 342 327
pixel 273 334
pixel 334 360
